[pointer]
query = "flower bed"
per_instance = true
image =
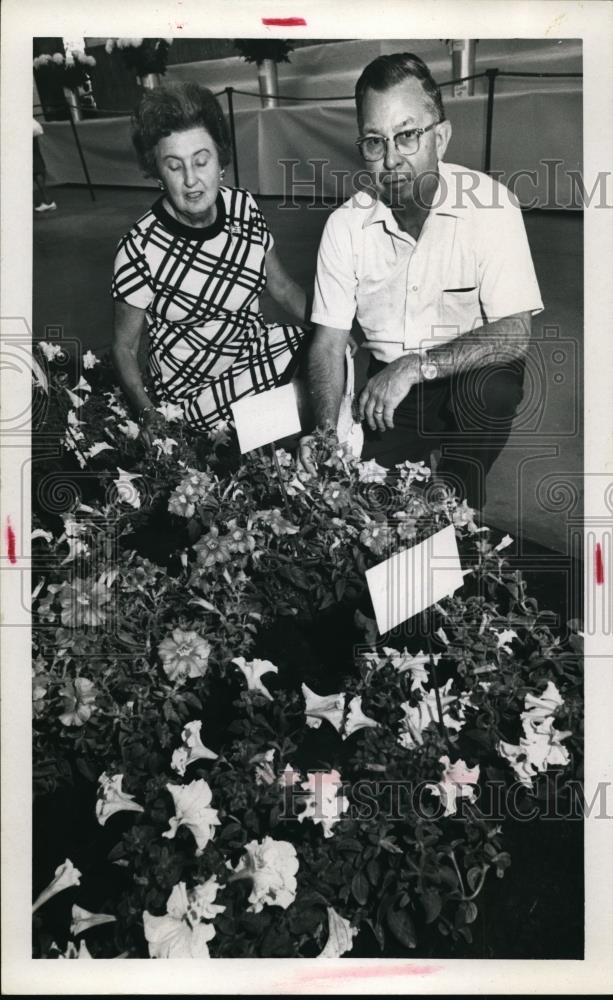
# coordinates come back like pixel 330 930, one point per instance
pixel 249 769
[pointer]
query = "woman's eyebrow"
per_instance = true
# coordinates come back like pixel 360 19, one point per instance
pixel 175 156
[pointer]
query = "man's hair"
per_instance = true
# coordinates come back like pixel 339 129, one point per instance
pixel 176 108
pixel 386 71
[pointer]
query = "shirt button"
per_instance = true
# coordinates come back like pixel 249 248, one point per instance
pixel 415 288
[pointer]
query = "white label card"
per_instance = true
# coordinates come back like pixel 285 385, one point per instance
pixel 414 579
pixel 269 416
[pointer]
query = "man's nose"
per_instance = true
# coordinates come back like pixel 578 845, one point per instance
pixel 392 157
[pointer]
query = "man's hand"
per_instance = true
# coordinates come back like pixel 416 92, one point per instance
pixel 385 390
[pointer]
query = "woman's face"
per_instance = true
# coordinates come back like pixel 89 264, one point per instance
pixel 188 164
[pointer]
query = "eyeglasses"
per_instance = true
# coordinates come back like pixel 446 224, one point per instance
pixel 372 147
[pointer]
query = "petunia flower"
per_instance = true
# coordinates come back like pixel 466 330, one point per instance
pixel 340 935
pixel 464 517
pixel 239 539
pixel 329 706
pixel 184 654
pixel 112 799
pixel 277 523
pixel 323 803
pixel 75 400
pixel 83 920
pixel 253 672
pixel 79 701
pixel 504 639
pixel 377 537
pixel 83 603
pixel 220 434
pixel 264 771
pixel 182 932
pixel 288 777
pixel 503 543
pixel 51 351
pixel 165 445
pixel 90 360
pixel 170 411
pixel 130 429
pixel 192 808
pixel 41 533
pixel 457 781
pixel 544 705
pixel 415 665
pixel 212 549
pixel 73 530
pixel 72 951
pixel 414 472
pixel 371 472
pixel 126 491
pixel 425 713
pixel 193 748
pixel 272 865
pixel 97 448
pixel 356 719
pixel 82 386
pixel 66 875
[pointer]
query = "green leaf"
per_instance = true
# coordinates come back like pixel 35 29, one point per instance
pixel 432 904
pixel 401 926
pixel 373 870
pixel 360 888
pixel 467 914
pixel 473 878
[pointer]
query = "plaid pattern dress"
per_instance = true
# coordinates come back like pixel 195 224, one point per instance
pixel 208 342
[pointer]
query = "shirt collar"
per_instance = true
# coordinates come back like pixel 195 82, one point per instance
pixel 445 201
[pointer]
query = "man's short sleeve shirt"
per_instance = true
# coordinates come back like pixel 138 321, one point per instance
pixel 471 265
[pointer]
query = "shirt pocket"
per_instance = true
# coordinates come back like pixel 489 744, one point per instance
pixel 461 308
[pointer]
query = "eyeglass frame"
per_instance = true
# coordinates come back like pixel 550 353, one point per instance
pixel 414 131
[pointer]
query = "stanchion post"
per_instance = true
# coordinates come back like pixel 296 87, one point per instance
pixel 491 75
pixel 80 151
pixel 229 94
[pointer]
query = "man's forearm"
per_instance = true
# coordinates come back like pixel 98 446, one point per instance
pixel 326 382
pixel 494 343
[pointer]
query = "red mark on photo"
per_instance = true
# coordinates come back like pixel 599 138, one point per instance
pixel 10 542
pixel 599 565
pixel 284 22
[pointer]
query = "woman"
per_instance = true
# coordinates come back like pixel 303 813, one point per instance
pixel 191 269
pixel 42 201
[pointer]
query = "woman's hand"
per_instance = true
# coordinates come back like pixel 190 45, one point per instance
pixel 152 425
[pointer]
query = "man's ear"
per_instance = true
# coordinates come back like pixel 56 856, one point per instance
pixel 443 135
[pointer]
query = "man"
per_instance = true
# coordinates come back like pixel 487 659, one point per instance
pixel 433 262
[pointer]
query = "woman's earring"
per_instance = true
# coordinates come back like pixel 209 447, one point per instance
pixel 221 173
pixel 161 185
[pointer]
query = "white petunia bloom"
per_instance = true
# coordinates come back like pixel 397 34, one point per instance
pixel 130 429
pixel 66 875
pixel 165 445
pixel 90 360
pixel 51 351
pixel 192 808
pixel 193 749
pixel 82 386
pixel 264 771
pixel 371 472
pixel 504 543
pixel 425 713
pixel 253 672
pixel 458 781
pixel 356 719
pixel 504 639
pixel 182 932
pixel 543 705
pixel 328 706
pixel 272 865
pixel 111 799
pixel 170 411
pixel 126 491
pixel 323 803
pixel 83 920
pixel 340 935
pixel 41 533
pixel 97 448
pixel 75 400
pixel 416 665
pixel 72 951
pixel 72 536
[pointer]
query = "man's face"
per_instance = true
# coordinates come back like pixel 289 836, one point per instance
pixel 401 180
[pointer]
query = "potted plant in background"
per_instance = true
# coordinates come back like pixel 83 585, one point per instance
pixel 266 54
pixel 147 56
pixel 70 70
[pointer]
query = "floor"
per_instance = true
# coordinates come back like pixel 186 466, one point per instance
pixel 534 488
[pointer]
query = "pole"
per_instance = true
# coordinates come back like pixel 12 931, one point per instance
pixel 229 91
pixel 491 75
pixel 80 151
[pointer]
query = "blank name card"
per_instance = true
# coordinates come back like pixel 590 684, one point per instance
pixel 414 579
pixel 267 417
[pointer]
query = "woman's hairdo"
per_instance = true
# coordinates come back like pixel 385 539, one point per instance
pixel 177 107
pixel 386 71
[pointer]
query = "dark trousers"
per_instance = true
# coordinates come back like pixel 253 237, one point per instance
pixel 467 417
